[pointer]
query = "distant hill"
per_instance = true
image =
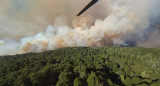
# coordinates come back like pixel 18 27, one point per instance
pixel 83 66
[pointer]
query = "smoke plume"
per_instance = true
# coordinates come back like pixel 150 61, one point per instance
pixel 40 25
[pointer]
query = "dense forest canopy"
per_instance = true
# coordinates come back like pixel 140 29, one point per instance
pixel 83 66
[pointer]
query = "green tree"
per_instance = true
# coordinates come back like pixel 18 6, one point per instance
pixel 93 80
pixel 65 79
pixel 77 82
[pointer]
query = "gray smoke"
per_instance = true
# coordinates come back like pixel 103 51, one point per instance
pixel 23 24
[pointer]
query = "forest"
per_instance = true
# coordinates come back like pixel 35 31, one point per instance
pixel 83 66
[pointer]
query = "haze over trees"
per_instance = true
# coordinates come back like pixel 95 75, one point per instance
pixel 83 66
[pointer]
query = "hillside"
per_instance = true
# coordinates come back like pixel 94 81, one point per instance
pixel 83 66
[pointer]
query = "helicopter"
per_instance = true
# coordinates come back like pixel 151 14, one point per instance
pixel 87 7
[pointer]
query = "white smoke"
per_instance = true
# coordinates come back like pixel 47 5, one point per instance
pixel 119 21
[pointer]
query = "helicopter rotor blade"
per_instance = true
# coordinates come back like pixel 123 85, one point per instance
pixel 88 6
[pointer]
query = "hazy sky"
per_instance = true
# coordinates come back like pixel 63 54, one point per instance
pixel 40 25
